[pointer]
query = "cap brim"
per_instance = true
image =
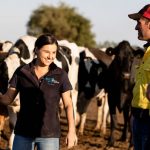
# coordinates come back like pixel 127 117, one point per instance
pixel 135 16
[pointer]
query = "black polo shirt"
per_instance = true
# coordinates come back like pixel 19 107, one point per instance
pixel 39 100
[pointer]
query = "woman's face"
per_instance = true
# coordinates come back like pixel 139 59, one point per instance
pixel 46 54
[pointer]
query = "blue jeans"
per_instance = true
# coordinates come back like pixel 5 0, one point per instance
pixel 25 143
pixel 141 133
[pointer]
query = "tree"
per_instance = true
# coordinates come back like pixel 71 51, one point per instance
pixel 62 21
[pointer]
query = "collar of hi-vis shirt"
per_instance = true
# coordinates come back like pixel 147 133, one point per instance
pixel 146 54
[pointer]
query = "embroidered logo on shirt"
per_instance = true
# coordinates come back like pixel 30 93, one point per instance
pixel 51 80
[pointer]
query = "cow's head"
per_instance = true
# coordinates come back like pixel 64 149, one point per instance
pixel 24 47
pixel 5 45
pixel 123 57
pixel 21 51
pixel 63 58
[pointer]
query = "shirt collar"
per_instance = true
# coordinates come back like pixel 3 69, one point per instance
pixel 147 52
pixel 51 67
pixel 146 45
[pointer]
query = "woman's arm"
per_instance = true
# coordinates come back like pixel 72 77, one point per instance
pixel 8 97
pixel 71 138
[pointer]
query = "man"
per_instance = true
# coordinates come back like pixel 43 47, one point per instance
pixel 140 103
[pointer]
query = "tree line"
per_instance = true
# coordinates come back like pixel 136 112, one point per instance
pixel 65 23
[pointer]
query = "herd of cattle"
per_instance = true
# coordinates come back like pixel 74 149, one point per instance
pixel 106 76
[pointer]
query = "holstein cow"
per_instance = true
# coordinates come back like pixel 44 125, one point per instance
pixel 126 94
pixel 117 80
pixel 72 54
pixel 4 47
pixel 92 65
pixel 22 53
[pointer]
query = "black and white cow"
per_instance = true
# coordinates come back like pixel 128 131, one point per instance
pixel 92 66
pixel 117 81
pixel 4 47
pixel 18 54
pixel 72 55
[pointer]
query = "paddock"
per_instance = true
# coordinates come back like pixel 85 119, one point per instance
pixel 90 140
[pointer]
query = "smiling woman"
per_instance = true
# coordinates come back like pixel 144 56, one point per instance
pixel 38 122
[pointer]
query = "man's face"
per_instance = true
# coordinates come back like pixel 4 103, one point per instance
pixel 143 28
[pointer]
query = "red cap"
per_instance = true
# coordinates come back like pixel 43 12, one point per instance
pixel 144 12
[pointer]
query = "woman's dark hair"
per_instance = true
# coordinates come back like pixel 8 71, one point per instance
pixel 45 39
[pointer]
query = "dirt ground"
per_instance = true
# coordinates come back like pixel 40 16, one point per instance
pixel 90 140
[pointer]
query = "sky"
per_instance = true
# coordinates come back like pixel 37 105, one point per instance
pixel 109 18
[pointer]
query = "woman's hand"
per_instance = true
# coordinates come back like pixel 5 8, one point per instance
pixel 71 140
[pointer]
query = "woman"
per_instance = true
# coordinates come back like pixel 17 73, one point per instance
pixel 41 84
